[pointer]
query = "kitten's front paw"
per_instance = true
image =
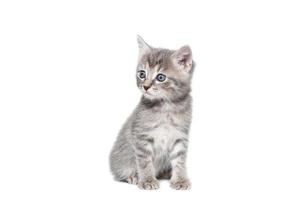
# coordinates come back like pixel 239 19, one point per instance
pixel 181 184
pixel 148 184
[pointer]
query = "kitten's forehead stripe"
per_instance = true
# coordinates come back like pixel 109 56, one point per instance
pixel 156 67
pixel 147 66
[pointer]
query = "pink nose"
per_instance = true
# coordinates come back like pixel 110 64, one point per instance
pixel 146 87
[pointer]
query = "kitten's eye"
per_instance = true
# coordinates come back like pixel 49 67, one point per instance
pixel 161 77
pixel 141 74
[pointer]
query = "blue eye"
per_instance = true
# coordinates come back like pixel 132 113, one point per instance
pixel 141 74
pixel 161 77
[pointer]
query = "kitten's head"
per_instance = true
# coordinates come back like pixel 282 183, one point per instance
pixel 163 73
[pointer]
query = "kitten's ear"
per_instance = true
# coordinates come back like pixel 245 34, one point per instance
pixel 143 46
pixel 183 58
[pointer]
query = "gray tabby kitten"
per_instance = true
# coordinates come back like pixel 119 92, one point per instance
pixel 153 142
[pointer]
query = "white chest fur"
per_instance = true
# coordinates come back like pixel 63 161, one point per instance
pixel 164 137
pixel 165 134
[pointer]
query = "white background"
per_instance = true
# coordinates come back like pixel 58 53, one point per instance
pixel 67 84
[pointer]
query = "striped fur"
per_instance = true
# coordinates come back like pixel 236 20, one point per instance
pixel 153 142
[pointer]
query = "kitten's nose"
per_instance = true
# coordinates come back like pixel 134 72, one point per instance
pixel 146 87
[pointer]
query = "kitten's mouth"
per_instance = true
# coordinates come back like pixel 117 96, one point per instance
pixel 147 94
pixel 145 91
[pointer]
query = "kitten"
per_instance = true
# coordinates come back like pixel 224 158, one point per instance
pixel 153 142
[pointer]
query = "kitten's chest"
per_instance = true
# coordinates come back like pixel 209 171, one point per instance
pixel 166 132
pixel 164 137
